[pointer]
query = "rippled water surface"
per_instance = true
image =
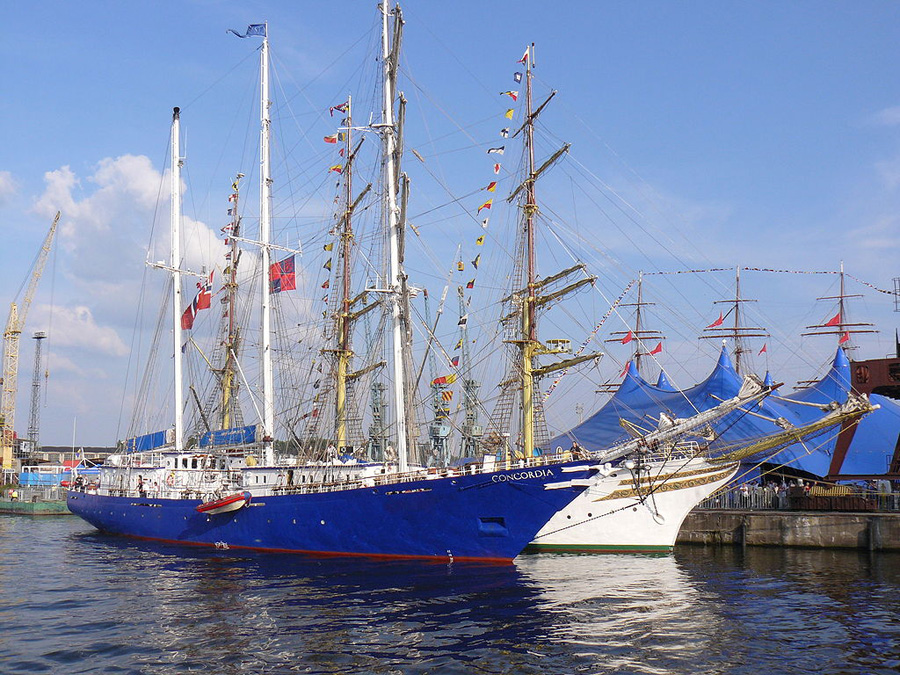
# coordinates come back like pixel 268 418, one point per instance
pixel 75 601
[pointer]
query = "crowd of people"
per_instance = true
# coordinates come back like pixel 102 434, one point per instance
pixel 784 493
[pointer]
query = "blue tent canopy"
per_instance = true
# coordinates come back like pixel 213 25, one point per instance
pixel 640 403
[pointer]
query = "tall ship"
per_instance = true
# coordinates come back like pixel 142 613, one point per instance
pixel 644 487
pixel 229 492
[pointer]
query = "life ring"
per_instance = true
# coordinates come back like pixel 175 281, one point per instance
pixel 170 479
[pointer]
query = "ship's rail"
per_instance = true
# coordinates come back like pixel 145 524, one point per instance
pixel 215 478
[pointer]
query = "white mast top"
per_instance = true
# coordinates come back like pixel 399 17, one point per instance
pixel 265 198
pixel 392 221
pixel 175 222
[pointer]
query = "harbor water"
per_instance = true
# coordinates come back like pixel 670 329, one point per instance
pixel 73 600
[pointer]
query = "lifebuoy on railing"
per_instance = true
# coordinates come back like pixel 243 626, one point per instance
pixel 170 479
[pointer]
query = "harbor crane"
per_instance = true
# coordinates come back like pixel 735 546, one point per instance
pixel 14 326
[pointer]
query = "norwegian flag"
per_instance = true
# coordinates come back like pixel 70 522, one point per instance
pixel 202 300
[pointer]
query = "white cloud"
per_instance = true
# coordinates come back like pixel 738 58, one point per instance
pixel 8 186
pixel 888 117
pixel 889 172
pixel 75 327
pixel 105 233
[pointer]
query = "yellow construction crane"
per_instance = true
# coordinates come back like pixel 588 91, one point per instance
pixel 14 326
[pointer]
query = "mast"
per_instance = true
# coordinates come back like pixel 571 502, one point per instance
pixel 639 334
pixel 439 429
pixel 265 202
pixel 389 54
pixel 229 383
pixel 522 304
pixel 175 224
pixel 838 324
pixel 738 332
pixel 471 430
pixel 343 328
pixel 529 342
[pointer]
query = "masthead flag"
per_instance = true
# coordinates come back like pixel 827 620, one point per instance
pixel 258 29
pixel 834 321
pixel 657 349
pixel 717 322
pixel 340 107
pixel 764 349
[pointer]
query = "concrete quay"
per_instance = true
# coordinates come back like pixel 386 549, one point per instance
pixel 808 529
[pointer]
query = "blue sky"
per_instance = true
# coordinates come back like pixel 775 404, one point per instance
pixel 741 134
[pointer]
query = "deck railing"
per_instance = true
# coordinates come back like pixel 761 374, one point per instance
pixel 201 491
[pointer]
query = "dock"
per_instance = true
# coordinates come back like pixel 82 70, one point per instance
pixel 35 501
pixel 872 531
pixel 38 508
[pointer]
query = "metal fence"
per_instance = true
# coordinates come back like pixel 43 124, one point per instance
pixel 37 494
pixel 802 498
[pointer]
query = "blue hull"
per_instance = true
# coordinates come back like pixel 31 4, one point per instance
pixel 472 517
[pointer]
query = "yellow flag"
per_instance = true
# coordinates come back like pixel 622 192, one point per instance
pixel 480 241
pixel 509 114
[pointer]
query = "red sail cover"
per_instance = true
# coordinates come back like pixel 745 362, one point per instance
pixel 281 276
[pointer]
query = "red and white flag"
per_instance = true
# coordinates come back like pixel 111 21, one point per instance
pixel 202 300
